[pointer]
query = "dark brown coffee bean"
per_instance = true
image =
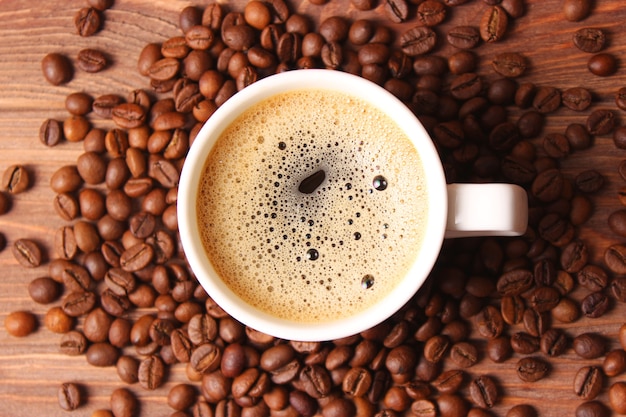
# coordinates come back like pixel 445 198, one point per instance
pixel 524 343
pixel 136 257
pixel 509 64
pixel 548 185
pixel 430 13
pixel 532 369
pixel 463 37
pixel 514 282
pixel 576 10
pixel 73 343
pixel 556 145
pixel 602 64
pixel 102 354
pixel 601 122
pixel 576 98
pixel 69 396
pixel 464 354
pixel 57 68
pixel 588 382
pixel 91 60
pixel 546 99
pixel 466 86
pixel 418 41
pixel 493 24
pixel 206 358
pixel 615 258
pixel 578 136
pixel 484 391
pixel 592 409
pixel 589 40
pixel 489 322
pixel 589 345
pixel 103 105
pixel 593 277
pixel 574 256
pixel 27 253
pixel 595 304
pixel 452 405
pixel 87 21
pixel 553 342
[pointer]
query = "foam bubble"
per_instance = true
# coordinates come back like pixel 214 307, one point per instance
pixel 315 255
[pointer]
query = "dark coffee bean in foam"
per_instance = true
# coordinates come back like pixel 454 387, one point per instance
pixel 312 205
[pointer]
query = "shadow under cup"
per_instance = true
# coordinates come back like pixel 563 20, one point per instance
pixel 190 179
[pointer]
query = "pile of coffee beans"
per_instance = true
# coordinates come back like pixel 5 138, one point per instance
pixel 120 292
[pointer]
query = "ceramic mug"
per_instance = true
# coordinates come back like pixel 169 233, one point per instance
pixel 454 210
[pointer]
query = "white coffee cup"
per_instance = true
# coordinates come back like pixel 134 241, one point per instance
pixel 456 210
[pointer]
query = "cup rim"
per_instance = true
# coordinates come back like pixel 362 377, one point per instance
pixel 189 182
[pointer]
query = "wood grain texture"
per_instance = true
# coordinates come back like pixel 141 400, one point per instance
pixel 31 368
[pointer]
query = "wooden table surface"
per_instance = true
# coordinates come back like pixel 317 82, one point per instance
pixel 31 368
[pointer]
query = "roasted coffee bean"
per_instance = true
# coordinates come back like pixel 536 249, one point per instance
pixel 57 68
pixel 397 10
pixel 595 304
pixel 615 258
pixel 601 122
pixel 614 362
pixel 489 322
pixel 429 12
pixel 51 132
pixel 514 282
pixel 574 256
pixel 484 391
pixel 532 369
pixel 334 29
pixel 87 21
pixel 589 345
pixel 128 115
pixel 151 372
pixel 464 354
pixel 593 277
pixel 15 179
pixel 553 342
pixel 91 60
pixel 509 64
pixel 44 290
pixel 578 136
pixel 588 382
pixel 493 24
pixel 78 104
pixel 20 323
pixel 27 253
pixel 418 41
pixel 592 409
pixel 556 145
pixel 451 405
pixel 449 381
pixel 499 349
pixel 576 10
pixel 535 323
pixel 101 354
pixel 123 403
pixel 103 105
pixel 602 64
pixel 589 40
pixel 73 343
pixel 546 99
pixel 466 86
pixel 463 37
pixel 136 257
pixel 617 222
pixel 69 396
pixel 524 343
pixel 544 299
pixel 548 185
pixel 576 98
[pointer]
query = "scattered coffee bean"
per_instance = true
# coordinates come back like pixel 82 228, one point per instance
pixel 91 60
pixel 57 68
pixel 69 395
pixel 602 64
pixel 20 323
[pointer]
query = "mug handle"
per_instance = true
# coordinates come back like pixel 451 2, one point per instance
pixel 486 210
